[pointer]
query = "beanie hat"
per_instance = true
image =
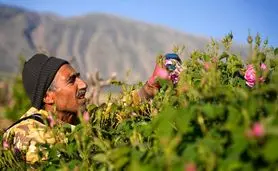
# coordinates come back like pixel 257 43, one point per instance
pixel 37 75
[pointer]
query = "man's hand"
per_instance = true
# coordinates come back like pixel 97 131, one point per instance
pixel 169 70
pixel 158 73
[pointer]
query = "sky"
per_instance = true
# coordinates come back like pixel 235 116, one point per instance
pixel 211 18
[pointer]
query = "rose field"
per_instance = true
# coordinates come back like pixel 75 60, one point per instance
pixel 221 115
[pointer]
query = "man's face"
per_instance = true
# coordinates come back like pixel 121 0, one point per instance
pixel 69 90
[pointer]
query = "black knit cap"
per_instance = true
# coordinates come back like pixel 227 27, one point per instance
pixel 38 73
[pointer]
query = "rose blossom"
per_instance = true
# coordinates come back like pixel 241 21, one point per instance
pixel 190 167
pixel 5 144
pixel 207 66
pixel 86 116
pixel 174 77
pixel 258 130
pixel 263 66
pixel 250 74
pixel 51 121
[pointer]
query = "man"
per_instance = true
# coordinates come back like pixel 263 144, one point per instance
pixel 56 91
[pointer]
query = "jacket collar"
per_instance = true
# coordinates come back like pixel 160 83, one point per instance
pixel 45 115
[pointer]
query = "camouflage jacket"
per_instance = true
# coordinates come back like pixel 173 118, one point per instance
pixel 25 137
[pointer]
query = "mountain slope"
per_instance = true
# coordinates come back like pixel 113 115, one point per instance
pixel 97 41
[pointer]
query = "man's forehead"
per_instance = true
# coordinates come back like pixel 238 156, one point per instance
pixel 65 71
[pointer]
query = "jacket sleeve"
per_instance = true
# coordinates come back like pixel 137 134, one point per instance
pixel 27 139
pixel 143 94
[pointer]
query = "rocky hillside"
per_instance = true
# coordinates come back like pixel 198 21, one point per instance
pixel 97 41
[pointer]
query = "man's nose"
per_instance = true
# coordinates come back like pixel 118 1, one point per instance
pixel 82 84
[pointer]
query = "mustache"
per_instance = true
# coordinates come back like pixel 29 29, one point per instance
pixel 81 93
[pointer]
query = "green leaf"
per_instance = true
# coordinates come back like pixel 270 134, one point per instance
pixel 100 157
pixel 224 55
pixel 233 117
pixel 73 163
pixel 101 144
pixel 121 162
pixel 91 107
pixel 51 168
pixel 276 51
pixel 206 57
pixel 261 56
pixel 213 111
pixel 183 120
pixel 270 150
pixel 230 165
pixel 118 153
pixel 239 145
pixel 190 153
pixel 163 123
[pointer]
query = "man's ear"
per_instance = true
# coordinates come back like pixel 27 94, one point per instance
pixel 49 97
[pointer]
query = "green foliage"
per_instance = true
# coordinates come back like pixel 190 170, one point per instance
pixel 20 101
pixel 210 121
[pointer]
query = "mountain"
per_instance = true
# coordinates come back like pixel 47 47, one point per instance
pixel 96 41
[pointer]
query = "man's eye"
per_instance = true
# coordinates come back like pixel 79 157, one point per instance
pixel 72 80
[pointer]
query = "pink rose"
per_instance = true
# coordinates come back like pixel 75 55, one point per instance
pixel 207 66
pixel 190 167
pixel 263 66
pixel 174 77
pixel 86 116
pixel 214 59
pixel 250 76
pixel 51 121
pixel 5 144
pixel 261 79
pixel 258 130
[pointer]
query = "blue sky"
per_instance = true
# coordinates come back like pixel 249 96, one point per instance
pixel 213 18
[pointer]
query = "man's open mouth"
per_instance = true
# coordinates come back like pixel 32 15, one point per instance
pixel 81 94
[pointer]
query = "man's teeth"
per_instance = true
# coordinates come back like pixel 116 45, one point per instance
pixel 81 94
